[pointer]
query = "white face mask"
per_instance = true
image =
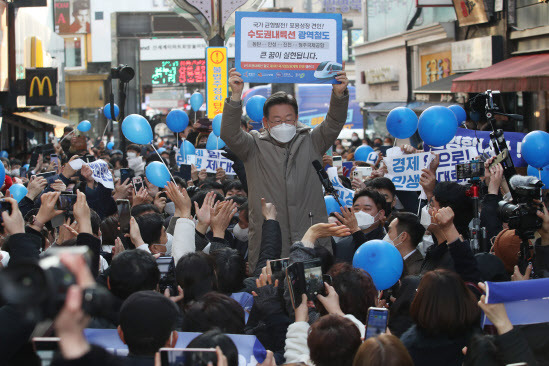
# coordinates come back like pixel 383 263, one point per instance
pixel 339 151
pixel 388 239
pixel 428 241
pixel 131 155
pixel 168 244
pixel 15 172
pixel 354 138
pixel 117 173
pixel 239 233
pixel 425 219
pixel 283 133
pixel 364 220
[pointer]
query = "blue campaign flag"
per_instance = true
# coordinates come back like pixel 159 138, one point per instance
pixel 250 350
pixel 288 47
pixel 526 302
pixel 481 141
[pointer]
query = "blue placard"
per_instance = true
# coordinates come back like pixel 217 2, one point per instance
pixel 288 47
pixel 250 350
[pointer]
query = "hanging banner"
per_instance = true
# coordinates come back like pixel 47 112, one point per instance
pixel 217 80
pixel 288 47
pixel 405 170
pixel 207 159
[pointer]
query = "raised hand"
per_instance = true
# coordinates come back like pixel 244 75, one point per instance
pixel 203 214
pixel 13 223
pixel 339 89
pixel 47 209
pixel 268 210
pixel 160 201
pixel 331 301
pixel 323 230
pixel 36 186
pixel 122 190
pixel 236 84
pixel 224 212
pixel 82 213
pixel 348 218
pixel 141 197
pixel 181 200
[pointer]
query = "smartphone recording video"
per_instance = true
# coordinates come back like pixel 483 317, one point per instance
pixel 187 356
pixel 66 202
pixel 137 184
pixel 124 217
pixel 377 321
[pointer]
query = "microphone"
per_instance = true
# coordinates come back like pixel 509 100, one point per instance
pixel 521 181
pixel 323 176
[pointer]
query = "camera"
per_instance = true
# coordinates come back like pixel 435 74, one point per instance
pixel 123 72
pixel 38 288
pixel 521 215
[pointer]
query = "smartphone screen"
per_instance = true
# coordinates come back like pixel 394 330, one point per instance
pixel 66 202
pixel 137 183
pixel 294 283
pixel 126 173
pixel 377 321
pixel 54 159
pixel 123 215
pixel 45 348
pixel 279 265
pixel 314 285
pixel 338 162
pixel 185 170
pixel 187 356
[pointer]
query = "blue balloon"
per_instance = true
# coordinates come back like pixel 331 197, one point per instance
pixel 137 129
pixel 84 126
pixel 157 174
pixel 214 142
pixel 331 205
pixel 26 166
pixel 2 175
pixel 4 154
pixel 536 173
pixel 402 122
pixel 216 124
pixel 107 111
pixel 18 191
pixel 381 260
pixel 459 112
pixel 437 126
pixel 535 148
pixel 254 107
pixel 177 120
pixel 196 101
pixel 188 148
pixel 362 152
pixel 110 145
pixel 161 150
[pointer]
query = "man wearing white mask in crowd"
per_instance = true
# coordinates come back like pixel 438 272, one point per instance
pixel 135 160
pixel 405 233
pixel 278 161
pixel 365 220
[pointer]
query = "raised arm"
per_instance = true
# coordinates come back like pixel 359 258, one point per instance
pixel 239 141
pixel 325 134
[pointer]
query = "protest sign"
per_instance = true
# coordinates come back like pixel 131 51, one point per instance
pixel 480 140
pixel 345 194
pixel 288 47
pixel 405 170
pixel 217 79
pixel 100 171
pixel 525 301
pixel 250 350
pixel 207 159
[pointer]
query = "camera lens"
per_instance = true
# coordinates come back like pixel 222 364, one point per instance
pixel 126 73
pixel 23 284
pixel 506 210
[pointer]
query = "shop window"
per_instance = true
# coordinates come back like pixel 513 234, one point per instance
pixel 74 52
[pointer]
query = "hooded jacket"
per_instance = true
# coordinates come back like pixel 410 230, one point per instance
pixel 283 173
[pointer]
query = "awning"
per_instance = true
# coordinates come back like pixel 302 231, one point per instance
pixel 424 106
pixel 386 107
pixel 442 86
pixel 51 119
pixel 520 73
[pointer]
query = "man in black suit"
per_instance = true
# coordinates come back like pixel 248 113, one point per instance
pixel 405 233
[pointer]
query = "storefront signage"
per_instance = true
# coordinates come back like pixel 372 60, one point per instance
pixel 472 54
pixel 218 75
pixel 470 12
pixel 435 66
pixel 173 72
pixel 383 74
pixel 435 3
pixel 342 6
pixel 41 86
pixel 177 48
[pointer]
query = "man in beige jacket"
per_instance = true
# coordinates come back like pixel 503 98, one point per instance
pixel 278 161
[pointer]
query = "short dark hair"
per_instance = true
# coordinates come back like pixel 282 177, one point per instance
pixel 150 226
pixel 230 269
pixel 138 210
pixel 382 183
pixel 232 184
pixel 355 288
pixel 215 310
pixel 95 222
pixel 109 230
pixel 384 349
pixel 132 271
pixel 279 98
pixel 180 182
pixel 377 197
pixel 333 340
pixel 453 195
pixel 214 338
pixel 409 222
pixel 195 273
pixel 15 162
pixel 444 305
pixel 134 147
pixel 211 184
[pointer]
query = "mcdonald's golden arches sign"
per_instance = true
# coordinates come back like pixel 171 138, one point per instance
pixel 41 86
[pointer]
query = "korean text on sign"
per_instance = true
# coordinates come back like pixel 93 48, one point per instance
pixel 288 47
pixel 207 159
pixel 405 170
pixel 216 88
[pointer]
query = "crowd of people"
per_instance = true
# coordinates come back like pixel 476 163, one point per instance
pixel 224 231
